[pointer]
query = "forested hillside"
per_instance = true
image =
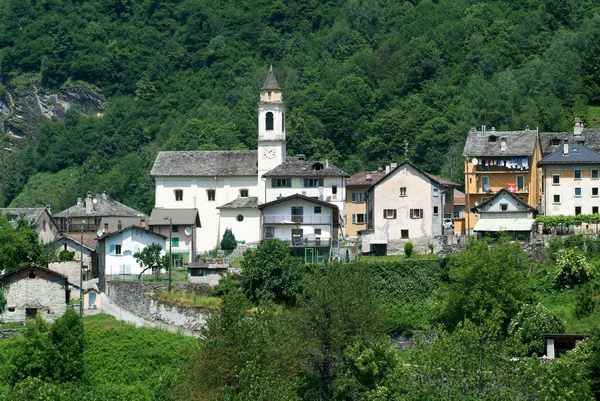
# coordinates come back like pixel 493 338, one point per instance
pixel 359 77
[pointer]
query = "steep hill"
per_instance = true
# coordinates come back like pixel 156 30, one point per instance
pixel 359 76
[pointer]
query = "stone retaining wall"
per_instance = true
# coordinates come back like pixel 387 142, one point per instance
pixel 4 334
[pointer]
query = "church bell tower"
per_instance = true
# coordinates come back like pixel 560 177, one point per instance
pixel 271 130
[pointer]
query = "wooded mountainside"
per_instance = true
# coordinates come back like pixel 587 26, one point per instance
pixel 359 77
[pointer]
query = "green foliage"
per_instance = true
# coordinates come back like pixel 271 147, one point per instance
pixel 150 258
pixel 2 301
pixel 270 272
pixel 226 285
pixel 551 222
pixel 65 255
pixel 20 245
pixel 585 303
pixel 409 249
pixel 572 268
pixel 228 242
pixel 485 279
pixel 528 327
pixel 593 363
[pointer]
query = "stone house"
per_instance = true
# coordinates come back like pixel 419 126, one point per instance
pixel 34 290
pixel 41 217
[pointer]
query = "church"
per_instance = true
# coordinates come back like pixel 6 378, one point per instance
pixel 234 188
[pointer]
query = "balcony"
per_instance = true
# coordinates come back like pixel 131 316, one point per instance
pixel 307 243
pixel 296 219
pixel 77 227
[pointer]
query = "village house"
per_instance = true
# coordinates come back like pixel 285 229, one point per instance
pixel 501 159
pixel 180 225
pixel 98 214
pixel 553 141
pixel 84 250
pixel 407 204
pixel 356 200
pixel 40 216
pixel 31 291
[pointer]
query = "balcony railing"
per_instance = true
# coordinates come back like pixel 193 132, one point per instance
pixel 308 243
pixel 296 219
pixel 76 227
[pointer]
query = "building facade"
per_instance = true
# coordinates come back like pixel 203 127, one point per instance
pixel 41 217
pixel 356 200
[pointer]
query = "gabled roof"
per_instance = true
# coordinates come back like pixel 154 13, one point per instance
pixel 33 266
pixel 364 178
pixel 132 227
pixel 578 154
pixel 297 197
pixel 88 242
pixel 552 141
pixel 296 167
pixel 442 181
pixel 497 195
pixel 103 206
pixel 207 163
pixel 271 81
pixel 489 143
pixel 179 217
pixel 250 202
pixel 26 213
pixel 459 197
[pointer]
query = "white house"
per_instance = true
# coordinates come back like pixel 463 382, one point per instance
pixel 309 225
pixel 227 186
pixel 116 250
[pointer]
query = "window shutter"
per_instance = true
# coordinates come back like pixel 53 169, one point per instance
pixel 306 183
pixel 412 216
pixel 394 213
pixel 273 182
pixel 384 216
pixel 353 219
pixel 420 213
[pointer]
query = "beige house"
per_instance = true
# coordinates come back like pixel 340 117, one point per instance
pixel 180 226
pixel 356 199
pixel 41 217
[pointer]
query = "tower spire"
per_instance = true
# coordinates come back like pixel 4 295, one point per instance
pixel 271 81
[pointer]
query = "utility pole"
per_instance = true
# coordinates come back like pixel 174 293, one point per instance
pixel 170 248
pixel 81 274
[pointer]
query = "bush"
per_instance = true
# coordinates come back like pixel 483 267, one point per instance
pixel 226 284
pixel 66 256
pixel 228 243
pixel 572 268
pixel 585 303
pixel 408 249
pixel 528 327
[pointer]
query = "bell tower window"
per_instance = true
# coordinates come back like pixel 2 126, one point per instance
pixel 269 121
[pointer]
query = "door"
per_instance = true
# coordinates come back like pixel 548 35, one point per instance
pixel 30 313
pixel 309 255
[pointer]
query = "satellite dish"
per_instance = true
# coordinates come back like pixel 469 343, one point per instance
pixel 188 231
pixel 486 187
pixel 475 161
pixel 99 233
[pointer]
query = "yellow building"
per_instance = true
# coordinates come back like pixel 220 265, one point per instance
pixel 356 206
pixel 501 159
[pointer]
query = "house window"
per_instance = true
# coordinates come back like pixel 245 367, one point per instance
pixel 334 189
pixel 118 249
pixel 555 179
pixel 105 227
pixel 178 195
pixel 389 213
pixel 578 192
pixel 210 195
pixel 281 183
pixel 436 192
pixel 485 184
pixel 243 193
pixel 240 218
pixel 594 174
pixel 520 183
pixel 594 191
pixel 555 141
pixel 269 232
pixel 358 218
pixel 119 225
pixel 504 207
pixel 358 197
pixel 435 210
pixel 175 241
pixel 297 214
pixel 416 213
pixel 269 121
pixel 577 210
pixel 404 234
pixel 578 174
pixel 313 182
pixel 175 229
pixel 448 196
pixel 317 231
pixel 402 191
pixel 317 209
pixel 297 236
pixel 556 198
pixel 594 209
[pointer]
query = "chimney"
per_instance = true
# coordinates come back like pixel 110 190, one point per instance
pixel 503 143
pixel 369 177
pixel 578 130
pixel 387 169
pixel 326 162
pixel 493 129
pixel 89 205
pixel 49 208
pixel 393 165
pixel 527 127
pixel 565 147
pixel 79 201
pixel 104 196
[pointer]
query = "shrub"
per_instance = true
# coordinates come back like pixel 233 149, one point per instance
pixel 228 243
pixel 226 284
pixel 408 249
pixel 585 303
pixel 572 268
pixel 528 327
pixel 66 256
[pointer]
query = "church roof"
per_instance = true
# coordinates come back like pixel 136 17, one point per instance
pixel 271 81
pixel 295 167
pixel 207 163
pixel 241 203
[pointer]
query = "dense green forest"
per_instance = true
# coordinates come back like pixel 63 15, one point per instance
pixel 359 77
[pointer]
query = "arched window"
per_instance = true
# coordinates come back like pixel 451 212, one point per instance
pixel 119 225
pixel 269 121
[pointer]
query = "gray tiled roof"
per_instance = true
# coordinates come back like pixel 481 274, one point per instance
pixel 209 163
pixel 361 179
pixel 27 213
pixel 551 141
pixel 297 197
pixel 250 202
pixel 518 143
pixel 131 227
pixel 441 180
pixel 104 206
pixel 294 167
pixel 578 154
pixel 271 81
pixel 497 195
pixel 178 217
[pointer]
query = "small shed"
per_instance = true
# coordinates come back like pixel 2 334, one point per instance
pixel 558 344
pixel 206 272
pixel 34 290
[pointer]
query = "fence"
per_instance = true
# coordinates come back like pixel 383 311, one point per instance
pixel 178 274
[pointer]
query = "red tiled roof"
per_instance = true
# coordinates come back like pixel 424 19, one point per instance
pixel 360 179
pixel 88 242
